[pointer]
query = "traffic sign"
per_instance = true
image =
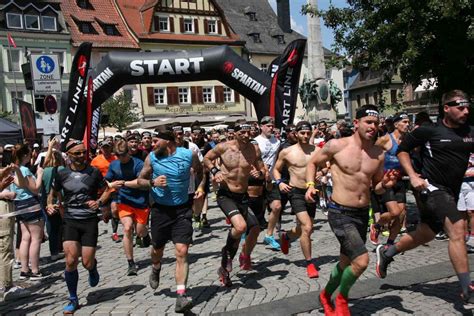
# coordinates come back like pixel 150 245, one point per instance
pixel 50 104
pixel 46 74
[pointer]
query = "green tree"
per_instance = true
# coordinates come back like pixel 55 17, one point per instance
pixel 120 111
pixel 420 39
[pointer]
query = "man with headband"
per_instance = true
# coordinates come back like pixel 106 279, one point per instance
pixel 167 171
pixel 394 198
pixel 146 142
pixel 239 160
pixel 356 167
pixel 445 150
pixel 76 187
pixel 295 158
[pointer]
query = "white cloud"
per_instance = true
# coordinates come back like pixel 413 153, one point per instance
pixel 297 27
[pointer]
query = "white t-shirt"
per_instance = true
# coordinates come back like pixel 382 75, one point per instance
pixel 269 149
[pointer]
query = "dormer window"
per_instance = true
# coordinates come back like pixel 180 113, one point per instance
pixel 109 29
pixel 86 27
pixel 280 39
pixel 32 22
pixel 256 37
pixel 49 23
pixel 252 16
pixel 84 4
pixel 14 21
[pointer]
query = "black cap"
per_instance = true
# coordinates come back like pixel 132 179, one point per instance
pixel 133 137
pixel 400 116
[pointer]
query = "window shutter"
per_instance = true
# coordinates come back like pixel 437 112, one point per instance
pixel 181 25
pixel 194 95
pixel 219 94
pixel 236 97
pixel 206 26
pixel 171 21
pixel 200 99
pixel 156 21
pixel 151 96
pixel 172 94
pixel 219 27
pixel 196 26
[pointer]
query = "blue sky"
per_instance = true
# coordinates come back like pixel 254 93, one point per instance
pixel 298 21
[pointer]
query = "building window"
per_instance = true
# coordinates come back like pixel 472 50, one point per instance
pixel 49 23
pixel 32 22
pixel 164 23
pixel 376 98
pixel 183 95
pixel 228 95
pixel 280 39
pixel 212 27
pixel 86 27
pixel 160 96
pixel 358 101
pixel 14 59
pixel 256 37
pixel 208 94
pixel 16 95
pixel 84 4
pixel 393 96
pixel 264 67
pixel 110 29
pixel 367 101
pixel 14 21
pixel 188 25
pixel 252 16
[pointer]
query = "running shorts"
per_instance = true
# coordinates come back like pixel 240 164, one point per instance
pixel 139 215
pixel 438 205
pixel 233 204
pixel 299 203
pixel 466 197
pixel 397 193
pixel 85 231
pixel 349 224
pixel 257 205
pixel 273 194
pixel 171 223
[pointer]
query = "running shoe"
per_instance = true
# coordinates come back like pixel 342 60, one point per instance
pixel 285 242
pixel 468 302
pixel 342 306
pixel 94 276
pixel 441 236
pixel 146 241
pixel 312 271
pixel 17 264
pixel 227 221
pixel 72 307
pixel 270 240
pixel 183 304
pixel 196 223
pixel 15 292
pixel 382 261
pixel 116 238
pixel 132 270
pixel 226 260
pixel 205 222
pixel 224 277
pixel 245 262
pixel 24 275
pixel 326 303
pixel 374 234
pixel 469 249
pixel 36 276
pixel 154 279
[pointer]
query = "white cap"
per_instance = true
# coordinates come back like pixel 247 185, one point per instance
pixel 36 145
pixel 8 146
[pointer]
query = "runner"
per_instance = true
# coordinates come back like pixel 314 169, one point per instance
pixel 445 152
pixel 146 142
pixel 167 171
pixel 132 205
pixel 356 165
pixel 77 186
pixel 466 202
pixel 295 158
pixel 269 145
pixel 133 141
pixel 394 198
pixel 239 160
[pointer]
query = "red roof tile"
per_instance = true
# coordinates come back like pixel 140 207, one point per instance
pixel 105 11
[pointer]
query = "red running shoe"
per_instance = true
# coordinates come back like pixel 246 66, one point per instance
pixel 312 271
pixel 224 277
pixel 245 262
pixel 342 306
pixel 116 238
pixel 284 243
pixel 374 234
pixel 227 221
pixel 326 303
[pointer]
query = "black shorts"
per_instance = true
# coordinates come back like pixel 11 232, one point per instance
pixel 397 193
pixel 350 227
pixel 257 204
pixel 233 204
pixel 84 231
pixel 436 206
pixel 299 203
pixel 273 195
pixel 171 223
pixel 376 203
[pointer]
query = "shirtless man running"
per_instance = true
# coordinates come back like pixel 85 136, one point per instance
pixel 296 157
pixel 239 160
pixel 356 166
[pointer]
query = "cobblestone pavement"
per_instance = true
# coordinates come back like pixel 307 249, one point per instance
pixel 274 276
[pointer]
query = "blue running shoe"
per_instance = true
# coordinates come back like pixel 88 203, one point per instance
pixel 71 307
pixel 94 276
pixel 270 240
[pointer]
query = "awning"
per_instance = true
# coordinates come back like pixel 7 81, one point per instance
pixel 203 120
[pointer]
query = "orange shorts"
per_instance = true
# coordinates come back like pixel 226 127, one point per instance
pixel 139 215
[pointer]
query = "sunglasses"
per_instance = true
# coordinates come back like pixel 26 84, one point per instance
pixel 78 153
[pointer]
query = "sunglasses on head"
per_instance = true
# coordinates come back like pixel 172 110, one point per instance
pixel 459 103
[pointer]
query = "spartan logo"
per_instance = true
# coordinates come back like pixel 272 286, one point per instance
pixel 178 66
pixel 248 81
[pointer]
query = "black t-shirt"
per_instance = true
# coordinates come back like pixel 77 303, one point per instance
pixel 78 187
pixel 140 154
pixel 444 153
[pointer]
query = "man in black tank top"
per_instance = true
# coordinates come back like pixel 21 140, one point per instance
pixel 445 151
